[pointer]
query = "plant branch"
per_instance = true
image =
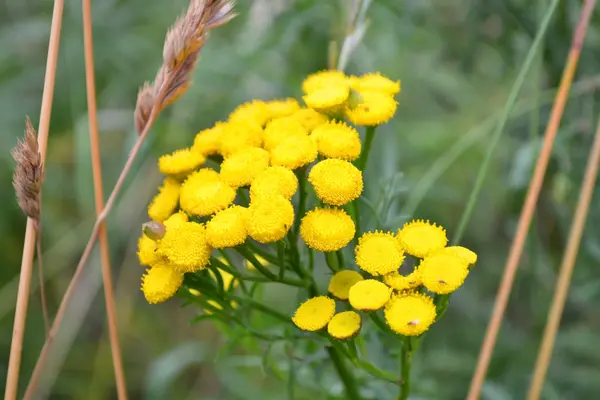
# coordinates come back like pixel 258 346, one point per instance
pixel 16 348
pixel 566 269
pixel 38 251
pixel 533 192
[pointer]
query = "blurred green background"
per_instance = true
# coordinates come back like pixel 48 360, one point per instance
pixel 457 60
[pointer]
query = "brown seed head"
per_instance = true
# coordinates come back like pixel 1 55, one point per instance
pixel 29 172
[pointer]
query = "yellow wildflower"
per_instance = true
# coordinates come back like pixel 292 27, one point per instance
pixel 180 162
pixel 337 140
pixel 341 282
pixel 280 129
pixel 227 228
pixel 420 238
pixel 336 182
pixel 240 135
pixel 147 251
pixel 207 141
pixel 294 152
pixel 165 202
pixel 328 100
pixel 465 254
pixel 256 111
pixel 410 314
pixel 175 219
pixel 369 295
pixel 374 108
pixel 327 229
pixel 161 282
pixel 201 196
pixel 375 82
pixel 242 167
pixel 401 282
pixel 314 314
pixel 309 118
pixel 323 79
pixel 443 273
pixel 269 219
pixel 274 181
pixel 282 108
pixel 344 325
pixel 378 253
pixel 185 246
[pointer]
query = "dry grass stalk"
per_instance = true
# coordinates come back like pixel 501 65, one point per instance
pixel 182 46
pixel 533 192
pixel 109 297
pixel 16 345
pixel 566 269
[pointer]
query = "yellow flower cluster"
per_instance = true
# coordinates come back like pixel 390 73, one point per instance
pixel 263 148
pixel 408 308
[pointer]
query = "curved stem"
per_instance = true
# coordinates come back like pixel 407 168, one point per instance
pixel 352 392
pixel 405 366
pixel 361 164
pixel 38 250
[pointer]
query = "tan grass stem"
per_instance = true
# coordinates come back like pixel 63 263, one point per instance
pixel 16 347
pixel 531 198
pixel 38 251
pixel 566 269
pixel 109 296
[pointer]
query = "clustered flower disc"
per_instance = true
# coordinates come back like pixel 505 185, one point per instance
pixel 270 219
pixel 369 295
pixel 274 181
pixel 294 152
pixel 242 167
pixel 401 282
pixel 344 325
pixel 410 314
pixel 227 228
pixel 161 282
pixel 314 314
pixel 166 201
pixel 337 140
pixel 374 108
pixel 185 247
pixel 180 162
pixel 443 273
pixel 202 197
pixel 341 282
pixel 327 229
pixel 420 238
pixel 336 182
pixel 378 253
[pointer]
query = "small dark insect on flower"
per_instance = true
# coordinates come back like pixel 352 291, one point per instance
pixel 29 172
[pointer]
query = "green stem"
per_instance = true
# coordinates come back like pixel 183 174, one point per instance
pixel 345 375
pixel 340 258
pixel 405 365
pixel 512 98
pixel 259 267
pixel 301 174
pixel 332 261
pixel 361 165
pixel 281 258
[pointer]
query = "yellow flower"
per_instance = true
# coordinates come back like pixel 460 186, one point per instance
pixel 147 251
pixel 374 108
pixel 282 108
pixel 185 246
pixel 239 135
pixel 207 141
pixel 420 238
pixel 375 82
pixel 281 129
pixel 337 140
pixel 294 152
pixel 336 182
pixel 180 162
pixel 242 167
pixel 165 202
pixel 204 194
pixel 227 228
pixel 327 229
pixel 465 254
pixel 328 100
pixel 322 79
pixel 269 219
pixel 274 181
pixel 261 260
pixel 175 219
pixel 309 118
pixel 341 282
pixel 256 111
pixel 401 282
pixel 344 325
pixel 378 253
pixel 443 273
pixel 314 314
pixel 161 282
pixel 369 295
pixel 410 314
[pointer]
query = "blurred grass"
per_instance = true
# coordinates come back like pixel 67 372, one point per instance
pixel 457 60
